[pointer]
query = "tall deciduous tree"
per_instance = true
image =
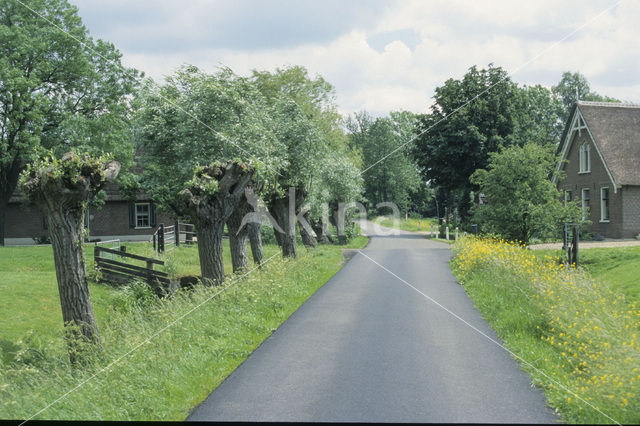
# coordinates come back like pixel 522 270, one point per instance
pixel 469 119
pixel 574 86
pixel 59 89
pixel 385 143
pixel 521 201
pixel 61 189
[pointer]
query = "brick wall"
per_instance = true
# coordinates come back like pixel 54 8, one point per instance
pixel 596 179
pixel 112 220
pixel 24 222
pixel 631 211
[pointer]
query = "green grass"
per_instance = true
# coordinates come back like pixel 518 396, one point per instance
pixel 411 224
pixel 618 267
pixel 578 335
pixel 171 373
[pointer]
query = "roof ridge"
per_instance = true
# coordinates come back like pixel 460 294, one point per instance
pixel 609 104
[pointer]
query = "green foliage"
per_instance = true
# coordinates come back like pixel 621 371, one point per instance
pixel 574 86
pixel 72 171
pixel 197 118
pixel 617 267
pixel 469 119
pixel 59 88
pixel 318 160
pixel 539 116
pixel 520 199
pixel 395 178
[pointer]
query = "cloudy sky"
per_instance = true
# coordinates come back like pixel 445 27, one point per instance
pixel 381 55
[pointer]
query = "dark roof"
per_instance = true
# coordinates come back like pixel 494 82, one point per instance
pixel 615 128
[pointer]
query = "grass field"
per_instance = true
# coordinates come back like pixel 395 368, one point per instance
pixel 198 337
pixel 410 224
pixel 575 331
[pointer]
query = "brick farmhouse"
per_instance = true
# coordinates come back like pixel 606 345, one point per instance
pixel 118 218
pixel 601 143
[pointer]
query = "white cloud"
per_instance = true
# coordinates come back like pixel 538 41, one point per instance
pixel 442 39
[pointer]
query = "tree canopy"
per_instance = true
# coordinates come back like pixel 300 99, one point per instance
pixel 59 89
pixel 520 201
pixel 197 118
pixel 395 178
pixel 574 86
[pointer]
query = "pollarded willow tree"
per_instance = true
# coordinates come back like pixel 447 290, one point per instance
pixel 310 127
pixel 61 188
pixel 303 153
pixel 193 121
pixel 339 181
pixel 210 198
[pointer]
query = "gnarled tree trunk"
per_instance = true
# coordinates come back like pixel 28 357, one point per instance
pixel 61 190
pixel 320 228
pixel 307 239
pixel 65 231
pixel 210 251
pixel 238 236
pixel 285 217
pixel 210 207
pixel 255 238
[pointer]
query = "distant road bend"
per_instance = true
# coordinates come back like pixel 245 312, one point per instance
pixel 366 347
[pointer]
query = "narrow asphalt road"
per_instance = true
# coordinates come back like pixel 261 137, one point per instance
pixel 367 347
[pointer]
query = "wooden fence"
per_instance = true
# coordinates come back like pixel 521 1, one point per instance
pixel 170 236
pixel 120 272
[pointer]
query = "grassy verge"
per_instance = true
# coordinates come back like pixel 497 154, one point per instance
pixel 617 267
pixel 410 224
pixel 161 379
pixel 578 335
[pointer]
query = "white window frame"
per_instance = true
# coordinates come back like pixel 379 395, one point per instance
pixel 585 158
pixel 605 207
pixel 585 207
pixel 142 215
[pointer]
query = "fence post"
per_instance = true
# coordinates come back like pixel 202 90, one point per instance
pixel 456 233
pixel 96 251
pixel 447 230
pixel 575 242
pixel 431 234
pixel 189 235
pixel 161 238
pixel 176 232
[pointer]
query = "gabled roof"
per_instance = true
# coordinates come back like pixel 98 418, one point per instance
pixel 615 130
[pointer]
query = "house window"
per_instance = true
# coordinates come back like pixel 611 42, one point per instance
pixel 586 197
pixel 604 204
pixel 585 158
pixel 143 215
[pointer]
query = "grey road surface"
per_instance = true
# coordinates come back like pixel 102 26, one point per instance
pixel 366 347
